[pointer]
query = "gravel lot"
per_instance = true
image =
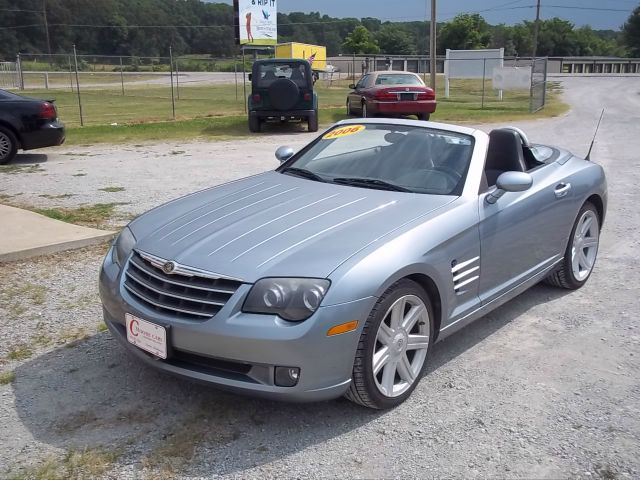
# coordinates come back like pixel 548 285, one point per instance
pixel 547 386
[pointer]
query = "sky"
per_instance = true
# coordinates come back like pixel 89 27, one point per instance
pixel 605 14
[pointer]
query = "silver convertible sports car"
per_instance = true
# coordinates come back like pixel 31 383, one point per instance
pixel 335 274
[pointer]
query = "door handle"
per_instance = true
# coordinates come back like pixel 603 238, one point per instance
pixel 562 189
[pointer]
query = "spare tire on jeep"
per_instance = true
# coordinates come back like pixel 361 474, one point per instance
pixel 283 94
pixel 282 91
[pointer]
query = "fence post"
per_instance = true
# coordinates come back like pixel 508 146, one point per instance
pixel 46 80
pixel 235 75
pixel 75 59
pixel 20 74
pixel 244 83
pixel 121 76
pixel 484 71
pixel 544 91
pixel 173 100
pixel 70 73
pixel 177 78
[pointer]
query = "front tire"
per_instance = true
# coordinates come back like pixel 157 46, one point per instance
pixel 365 113
pixel 392 351
pixel 8 145
pixel 581 252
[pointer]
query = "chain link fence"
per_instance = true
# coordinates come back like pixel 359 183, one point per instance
pixel 94 89
pixel 115 90
pixel 9 76
pixel 538 84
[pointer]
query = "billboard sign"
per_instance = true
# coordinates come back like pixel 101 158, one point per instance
pixel 256 22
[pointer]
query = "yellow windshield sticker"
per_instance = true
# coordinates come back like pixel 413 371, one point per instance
pixel 343 131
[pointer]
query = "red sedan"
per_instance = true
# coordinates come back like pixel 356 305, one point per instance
pixel 391 93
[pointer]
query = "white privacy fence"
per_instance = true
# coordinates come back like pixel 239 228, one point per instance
pixel 470 64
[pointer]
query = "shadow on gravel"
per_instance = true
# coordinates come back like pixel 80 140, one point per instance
pixel 482 328
pixel 29 158
pixel 93 395
pixel 276 127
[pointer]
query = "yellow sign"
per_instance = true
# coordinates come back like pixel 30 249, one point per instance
pixel 343 131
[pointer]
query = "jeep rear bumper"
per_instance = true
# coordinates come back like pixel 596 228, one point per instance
pixel 287 114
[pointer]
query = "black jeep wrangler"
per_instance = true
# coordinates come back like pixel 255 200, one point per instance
pixel 282 89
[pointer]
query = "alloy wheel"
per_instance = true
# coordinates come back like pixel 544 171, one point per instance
pixel 585 245
pixel 5 146
pixel 401 346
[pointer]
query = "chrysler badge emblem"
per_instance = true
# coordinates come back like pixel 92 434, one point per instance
pixel 169 267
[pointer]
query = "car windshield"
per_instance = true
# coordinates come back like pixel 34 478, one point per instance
pixel 398 79
pixel 389 157
pixel 270 72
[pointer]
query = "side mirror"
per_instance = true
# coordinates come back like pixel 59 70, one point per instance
pixel 250 75
pixel 510 182
pixel 352 86
pixel 284 153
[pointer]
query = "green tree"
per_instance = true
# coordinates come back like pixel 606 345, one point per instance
pixel 465 32
pixel 557 38
pixel 394 39
pixel 502 37
pixel 360 41
pixel 631 33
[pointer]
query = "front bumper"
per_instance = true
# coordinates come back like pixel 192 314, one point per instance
pixel 51 134
pixel 403 108
pixel 238 351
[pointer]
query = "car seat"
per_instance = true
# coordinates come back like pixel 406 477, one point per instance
pixel 505 154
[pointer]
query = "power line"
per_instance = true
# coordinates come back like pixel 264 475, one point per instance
pixel 596 9
pixel 18 10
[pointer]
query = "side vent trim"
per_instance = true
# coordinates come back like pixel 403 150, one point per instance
pixel 464 273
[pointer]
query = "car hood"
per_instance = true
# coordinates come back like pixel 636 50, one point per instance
pixel 276 225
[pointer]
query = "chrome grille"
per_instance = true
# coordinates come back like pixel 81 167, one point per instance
pixel 188 297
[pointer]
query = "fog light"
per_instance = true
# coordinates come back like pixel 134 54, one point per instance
pixel 287 376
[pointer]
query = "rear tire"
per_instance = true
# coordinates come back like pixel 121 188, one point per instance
pixel 312 122
pixel 255 124
pixel 8 145
pixel 365 113
pixel 581 252
pixel 397 335
pixel 424 116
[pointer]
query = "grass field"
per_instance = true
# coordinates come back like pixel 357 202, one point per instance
pixel 35 81
pixel 216 112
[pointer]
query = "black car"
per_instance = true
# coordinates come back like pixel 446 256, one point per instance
pixel 282 89
pixel 27 123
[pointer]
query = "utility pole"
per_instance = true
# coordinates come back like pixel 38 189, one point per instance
pixel 536 29
pixel 46 27
pixel 432 45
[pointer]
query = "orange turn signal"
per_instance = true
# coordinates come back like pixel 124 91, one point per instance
pixel 342 328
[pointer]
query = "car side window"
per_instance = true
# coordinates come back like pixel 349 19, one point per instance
pixel 362 82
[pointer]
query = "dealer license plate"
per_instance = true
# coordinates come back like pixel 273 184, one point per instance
pixel 148 336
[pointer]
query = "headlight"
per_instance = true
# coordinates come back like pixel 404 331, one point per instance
pixel 122 246
pixel 294 299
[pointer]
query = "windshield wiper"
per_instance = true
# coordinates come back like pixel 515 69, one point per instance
pixel 301 172
pixel 371 183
